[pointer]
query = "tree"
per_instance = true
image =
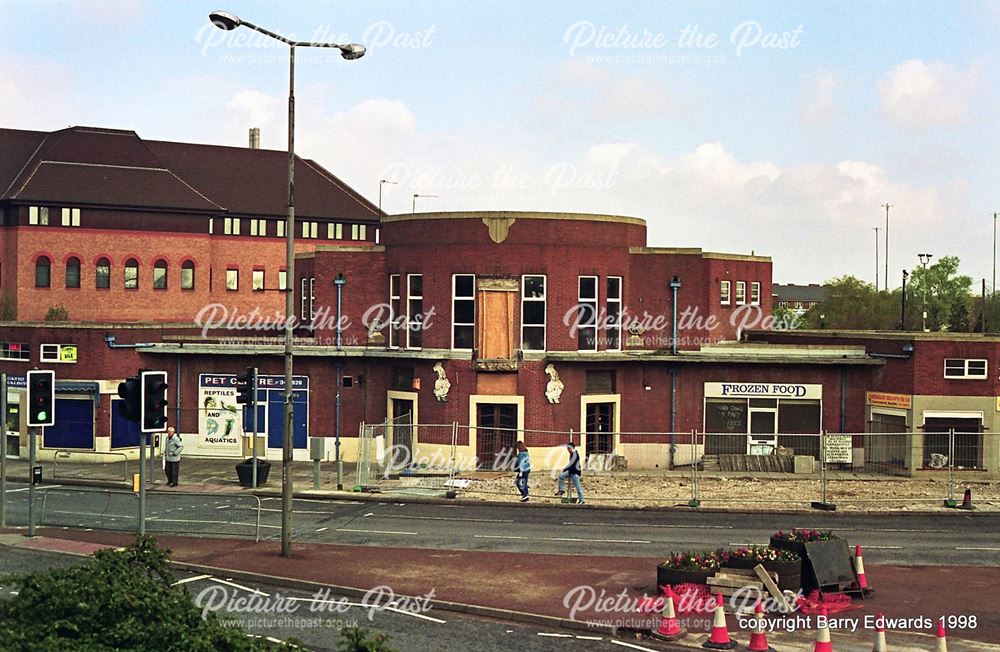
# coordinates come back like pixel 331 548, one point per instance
pixel 947 294
pixel 854 304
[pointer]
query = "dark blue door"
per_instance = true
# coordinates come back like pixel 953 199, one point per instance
pixel 74 427
pixel 275 419
pixel 124 433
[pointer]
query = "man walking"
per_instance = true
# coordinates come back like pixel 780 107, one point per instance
pixel 522 466
pixel 172 456
pixel 571 471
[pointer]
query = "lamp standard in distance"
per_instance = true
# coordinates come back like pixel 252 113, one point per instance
pixel 924 259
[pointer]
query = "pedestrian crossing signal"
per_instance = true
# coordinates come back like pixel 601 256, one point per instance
pixel 41 397
pixel 153 413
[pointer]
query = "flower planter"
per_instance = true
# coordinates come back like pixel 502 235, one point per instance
pixel 674 576
pixel 809 581
pixel 797 547
pixel 789 572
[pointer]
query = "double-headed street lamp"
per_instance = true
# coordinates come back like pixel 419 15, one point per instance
pixel 226 21
pixel 924 259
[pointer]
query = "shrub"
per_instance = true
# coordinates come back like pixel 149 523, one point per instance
pixel 359 639
pixel 764 553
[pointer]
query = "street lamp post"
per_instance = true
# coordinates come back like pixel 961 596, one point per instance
pixel 876 258
pixel 902 318
pixel 227 22
pixel 414 209
pixel 924 259
pixel 887 206
pixel 382 182
pixel 994 291
pixel 340 282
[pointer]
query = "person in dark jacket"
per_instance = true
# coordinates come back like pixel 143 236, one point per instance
pixel 522 466
pixel 571 471
pixel 172 457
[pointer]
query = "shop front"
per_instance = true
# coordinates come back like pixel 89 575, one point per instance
pixel 743 418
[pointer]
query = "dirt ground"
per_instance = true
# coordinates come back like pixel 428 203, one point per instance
pixel 767 493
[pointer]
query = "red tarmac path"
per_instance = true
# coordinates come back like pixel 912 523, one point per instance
pixel 538 583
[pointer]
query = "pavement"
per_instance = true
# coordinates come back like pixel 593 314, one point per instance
pixel 534 588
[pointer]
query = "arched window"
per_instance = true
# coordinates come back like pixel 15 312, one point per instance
pixel 73 272
pixel 187 275
pixel 103 278
pixel 131 274
pixel 43 272
pixel 160 275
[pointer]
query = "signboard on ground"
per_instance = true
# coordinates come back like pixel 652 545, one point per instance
pixel 838 449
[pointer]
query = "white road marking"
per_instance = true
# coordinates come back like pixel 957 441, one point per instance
pixel 746 545
pixel 986 549
pixel 416 615
pixel 506 536
pixel 240 586
pixel 679 527
pixel 448 518
pixel 344 529
pixel 191 579
pixel 630 645
pixel 883 547
pixel 554 635
pixel 590 638
pixel 222 507
pixel 321 529
pixel 370 514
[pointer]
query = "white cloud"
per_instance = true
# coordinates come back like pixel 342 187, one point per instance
pixel 821 106
pixel 917 94
pixel 632 98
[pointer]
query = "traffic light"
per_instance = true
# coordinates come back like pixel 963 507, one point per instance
pixel 246 386
pixel 128 391
pixel 41 398
pixel 154 401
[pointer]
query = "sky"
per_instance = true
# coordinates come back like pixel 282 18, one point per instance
pixel 778 129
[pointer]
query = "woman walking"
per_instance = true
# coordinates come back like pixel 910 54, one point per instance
pixel 522 466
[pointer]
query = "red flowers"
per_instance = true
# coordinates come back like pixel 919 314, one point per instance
pixel 803 535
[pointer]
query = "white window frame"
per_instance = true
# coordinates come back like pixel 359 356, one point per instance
pixel 410 297
pixel 359 231
pixel 725 293
pixel 454 298
pixel 543 299
pixel 966 374
pixel 211 225
pixel 231 226
pixel 254 278
pixel 394 300
pixel 282 280
pixel 258 226
pixel 281 228
pixel 334 231
pixel 45 354
pixel 302 298
pixel 741 293
pixel 24 353
pixel 312 299
pixel 616 327
pixel 71 217
pixel 310 229
pixel 38 215
pixel 236 270
pixel 596 302
pixel 754 293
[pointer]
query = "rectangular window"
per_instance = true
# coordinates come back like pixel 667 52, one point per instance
pixel 307 300
pixel 211 226
pixel 15 351
pixel 969 369
pixel 231 226
pixel 533 313
pixel 281 228
pixel 303 298
pixel 258 227
pixel 754 293
pixel 586 314
pixel 257 280
pixel 312 298
pixel 282 280
pixel 724 293
pixel 463 311
pixel 394 310
pixel 71 217
pixel 741 292
pixel 310 229
pixel 232 280
pixel 414 311
pixel 334 231
pixel 614 321
pixel 38 215
pixel 61 353
pixel 359 231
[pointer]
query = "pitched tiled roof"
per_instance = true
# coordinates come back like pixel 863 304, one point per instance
pixel 85 165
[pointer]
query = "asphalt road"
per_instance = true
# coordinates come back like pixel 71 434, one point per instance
pixel 315 619
pixel 944 539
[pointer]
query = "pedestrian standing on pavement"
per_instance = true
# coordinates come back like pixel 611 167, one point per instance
pixel 571 471
pixel 522 467
pixel 172 456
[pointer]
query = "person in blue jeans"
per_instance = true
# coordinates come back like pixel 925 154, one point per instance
pixel 522 466
pixel 571 471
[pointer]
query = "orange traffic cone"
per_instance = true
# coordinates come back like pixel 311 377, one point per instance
pixel 758 640
pixel 823 643
pixel 669 629
pixel 719 640
pixel 942 638
pixel 967 500
pixel 879 633
pixel 859 568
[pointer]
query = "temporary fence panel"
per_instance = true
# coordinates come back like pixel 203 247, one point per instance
pixel 87 465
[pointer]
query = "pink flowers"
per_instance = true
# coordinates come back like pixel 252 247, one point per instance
pixel 804 535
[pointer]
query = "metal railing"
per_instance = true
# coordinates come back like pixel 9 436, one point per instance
pixel 64 466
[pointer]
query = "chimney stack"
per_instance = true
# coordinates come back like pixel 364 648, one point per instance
pixel 254 137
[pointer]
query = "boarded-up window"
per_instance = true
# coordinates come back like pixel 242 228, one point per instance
pixel 495 304
pixel 600 382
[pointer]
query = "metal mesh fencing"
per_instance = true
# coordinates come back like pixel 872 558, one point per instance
pixel 237 515
pixel 99 509
pixel 86 465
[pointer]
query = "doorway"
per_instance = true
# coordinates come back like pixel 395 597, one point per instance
pixel 968 450
pixel 600 419
pixel 496 434
pixel 763 437
pixel 401 424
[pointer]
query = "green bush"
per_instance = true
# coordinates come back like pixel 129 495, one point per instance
pixel 57 313
pixel 359 639
pixel 118 600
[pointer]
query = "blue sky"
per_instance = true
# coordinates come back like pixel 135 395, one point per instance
pixel 783 136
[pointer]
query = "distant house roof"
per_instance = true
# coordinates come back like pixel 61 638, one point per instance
pixel 813 292
pixel 110 167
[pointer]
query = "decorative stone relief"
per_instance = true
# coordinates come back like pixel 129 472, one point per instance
pixel 442 385
pixel 554 388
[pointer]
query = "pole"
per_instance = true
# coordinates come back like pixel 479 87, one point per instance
pixel 142 484
pixel 3 450
pixel 876 259
pixel 902 319
pixel 341 281
pixel 673 343
pixel 253 425
pixel 887 206
pixel 31 480
pixel 286 443
pixel 994 291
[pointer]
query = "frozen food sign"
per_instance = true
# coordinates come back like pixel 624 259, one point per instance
pixel 763 390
